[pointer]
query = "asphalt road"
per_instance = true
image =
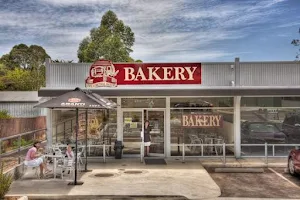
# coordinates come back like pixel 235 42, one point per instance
pixel 273 183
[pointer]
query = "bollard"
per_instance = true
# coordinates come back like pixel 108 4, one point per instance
pixel 183 152
pixel 224 154
pixel 202 150
pixel 266 153
pixel 56 134
pixel 64 131
pixel 104 153
pixel 142 150
pixel 19 150
pixel 273 150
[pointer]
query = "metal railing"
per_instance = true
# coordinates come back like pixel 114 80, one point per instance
pixel 217 147
pixel 266 151
pixel 19 146
pixel 104 146
pixel 64 130
pixel 224 156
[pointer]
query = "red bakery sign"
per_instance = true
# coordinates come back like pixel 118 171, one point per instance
pixel 105 73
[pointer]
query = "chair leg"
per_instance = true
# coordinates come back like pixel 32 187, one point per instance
pixel 36 173
pixel 61 173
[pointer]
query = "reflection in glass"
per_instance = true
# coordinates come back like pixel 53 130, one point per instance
pixel 143 103
pixel 132 127
pixel 211 134
pixel 102 128
pixel 203 102
pixel 272 126
pixel 270 102
pixel 157 123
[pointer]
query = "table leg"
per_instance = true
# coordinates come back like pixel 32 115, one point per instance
pixel 54 168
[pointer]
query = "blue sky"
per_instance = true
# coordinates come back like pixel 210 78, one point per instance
pixel 165 30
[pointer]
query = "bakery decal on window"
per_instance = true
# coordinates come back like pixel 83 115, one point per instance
pixel 198 121
pixel 104 73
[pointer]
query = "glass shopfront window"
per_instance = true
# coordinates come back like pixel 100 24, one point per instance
pixel 102 128
pixel 208 102
pixel 143 103
pixel 272 120
pixel 198 121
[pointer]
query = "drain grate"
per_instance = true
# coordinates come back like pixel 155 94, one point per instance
pixel 104 175
pixel 133 172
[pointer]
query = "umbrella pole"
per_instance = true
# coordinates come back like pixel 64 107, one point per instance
pixel 76 147
pixel 86 139
pixel 86 135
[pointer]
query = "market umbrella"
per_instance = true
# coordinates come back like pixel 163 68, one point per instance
pixel 78 99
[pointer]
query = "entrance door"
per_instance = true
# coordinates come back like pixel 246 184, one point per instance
pixel 132 127
pixel 157 124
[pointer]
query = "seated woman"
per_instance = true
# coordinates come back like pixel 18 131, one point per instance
pixel 69 152
pixel 33 159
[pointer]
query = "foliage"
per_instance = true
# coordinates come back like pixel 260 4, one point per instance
pixel 23 80
pixel 23 143
pixel 296 42
pixel 23 68
pixel 112 40
pixel 5 182
pixel 4 114
pixel 25 57
pixel 62 61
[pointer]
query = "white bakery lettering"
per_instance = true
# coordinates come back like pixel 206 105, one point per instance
pixel 72 104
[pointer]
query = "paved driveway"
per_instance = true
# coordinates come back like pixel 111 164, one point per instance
pixel 273 183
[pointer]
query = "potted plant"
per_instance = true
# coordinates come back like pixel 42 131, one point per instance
pixel 5 182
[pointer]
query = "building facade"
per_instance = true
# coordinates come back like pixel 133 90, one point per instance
pixel 20 103
pixel 201 106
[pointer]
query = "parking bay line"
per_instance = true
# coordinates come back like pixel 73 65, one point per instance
pixel 278 174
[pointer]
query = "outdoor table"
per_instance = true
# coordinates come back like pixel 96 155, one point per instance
pixel 54 157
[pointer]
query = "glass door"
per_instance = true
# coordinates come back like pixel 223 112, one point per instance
pixel 132 127
pixel 157 124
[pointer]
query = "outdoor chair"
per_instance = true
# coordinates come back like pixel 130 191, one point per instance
pixel 35 169
pixel 195 140
pixel 67 167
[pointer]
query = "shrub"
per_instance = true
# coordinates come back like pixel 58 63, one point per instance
pixel 5 182
pixel 23 143
pixel 4 114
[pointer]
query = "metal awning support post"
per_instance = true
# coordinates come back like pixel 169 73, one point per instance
pixel 76 150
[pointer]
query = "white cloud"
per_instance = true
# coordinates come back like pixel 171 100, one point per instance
pixel 153 22
pixel 290 24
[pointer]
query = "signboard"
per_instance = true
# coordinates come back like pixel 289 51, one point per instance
pixel 73 102
pixel 205 120
pixel 128 120
pixel 133 125
pixel 104 73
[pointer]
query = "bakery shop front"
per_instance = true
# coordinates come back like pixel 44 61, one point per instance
pixel 193 108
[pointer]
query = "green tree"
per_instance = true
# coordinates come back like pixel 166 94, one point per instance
pixel 27 57
pixel 296 42
pixel 112 40
pixel 19 79
pixel 8 62
pixel 23 68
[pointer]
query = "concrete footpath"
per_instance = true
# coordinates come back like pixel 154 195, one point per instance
pixel 131 178
pixel 128 177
